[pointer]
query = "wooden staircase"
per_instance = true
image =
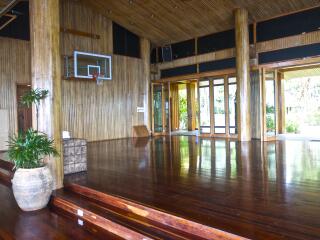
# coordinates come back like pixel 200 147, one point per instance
pixel 127 219
pixel 6 172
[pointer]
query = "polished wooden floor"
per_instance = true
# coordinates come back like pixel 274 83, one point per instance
pixel 40 225
pixel 255 190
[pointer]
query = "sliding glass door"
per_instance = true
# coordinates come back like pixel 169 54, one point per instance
pixel 232 104
pixel 217 106
pixel 160 108
pixel 270 105
pixel 204 107
pixel 157 109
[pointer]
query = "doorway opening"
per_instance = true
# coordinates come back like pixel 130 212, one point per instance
pixel 183 107
pixel 183 101
pixel 23 112
pixel 301 98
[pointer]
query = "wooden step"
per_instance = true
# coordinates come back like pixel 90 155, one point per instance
pixel 157 220
pixel 86 214
pixel 128 221
pixel 6 165
pixel 6 172
pixel 5 177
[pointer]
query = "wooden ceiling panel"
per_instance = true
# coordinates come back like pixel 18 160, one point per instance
pixel 168 21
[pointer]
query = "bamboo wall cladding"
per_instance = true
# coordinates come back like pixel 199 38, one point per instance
pixel 74 15
pixel 14 69
pixel 108 111
pixel 100 112
pixel 287 42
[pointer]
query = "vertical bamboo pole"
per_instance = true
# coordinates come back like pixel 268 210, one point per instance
pixel 46 74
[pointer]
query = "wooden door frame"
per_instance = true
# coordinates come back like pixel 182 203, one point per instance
pixel 211 103
pixel 16 104
pixel 265 137
pixel 163 110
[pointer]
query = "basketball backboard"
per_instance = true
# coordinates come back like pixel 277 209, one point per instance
pixel 88 65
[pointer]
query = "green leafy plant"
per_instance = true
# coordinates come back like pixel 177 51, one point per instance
pixel 34 97
pixel 270 123
pixel 28 150
pixel 183 112
pixel 292 127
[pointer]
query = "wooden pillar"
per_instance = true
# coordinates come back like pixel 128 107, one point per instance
pixel 281 104
pixel 243 76
pixel 174 102
pixel 46 74
pixel 145 92
pixel 191 106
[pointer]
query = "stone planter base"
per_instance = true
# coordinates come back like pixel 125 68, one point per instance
pixel 32 188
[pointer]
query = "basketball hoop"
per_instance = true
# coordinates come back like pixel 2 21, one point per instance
pixel 98 78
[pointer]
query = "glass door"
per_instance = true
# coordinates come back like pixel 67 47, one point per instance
pixel 160 108
pixel 270 105
pixel 157 108
pixel 219 106
pixel 232 104
pixel 204 107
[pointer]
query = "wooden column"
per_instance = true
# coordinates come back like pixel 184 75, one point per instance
pixel 281 104
pixel 174 102
pixel 145 92
pixel 191 106
pixel 46 74
pixel 243 76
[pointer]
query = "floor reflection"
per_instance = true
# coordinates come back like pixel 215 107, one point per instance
pixel 216 181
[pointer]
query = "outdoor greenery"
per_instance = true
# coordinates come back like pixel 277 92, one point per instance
pixel 292 127
pixel 270 121
pixel 28 149
pixel 302 101
pixel 183 111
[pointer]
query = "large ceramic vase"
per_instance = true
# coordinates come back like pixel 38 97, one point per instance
pixel 32 188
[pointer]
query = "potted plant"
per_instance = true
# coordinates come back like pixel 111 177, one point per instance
pixel 32 182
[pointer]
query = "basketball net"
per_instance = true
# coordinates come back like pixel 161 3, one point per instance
pixel 98 78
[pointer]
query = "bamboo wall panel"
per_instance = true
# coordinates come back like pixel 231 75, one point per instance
pixel 227 53
pixel 104 112
pixel 100 112
pixel 76 16
pixel 287 42
pixel 14 69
